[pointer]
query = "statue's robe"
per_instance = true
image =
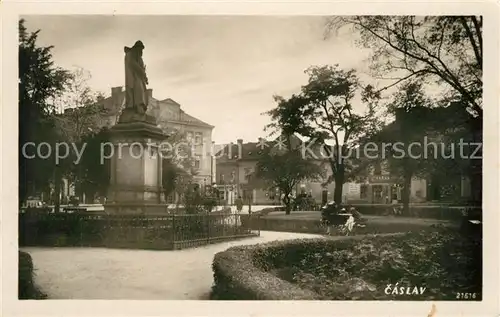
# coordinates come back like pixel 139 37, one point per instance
pixel 135 82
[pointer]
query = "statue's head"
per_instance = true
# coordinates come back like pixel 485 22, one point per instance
pixel 138 47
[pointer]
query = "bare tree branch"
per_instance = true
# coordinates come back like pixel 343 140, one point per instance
pixel 472 41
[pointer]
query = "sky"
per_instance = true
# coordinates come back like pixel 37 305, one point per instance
pixel 223 70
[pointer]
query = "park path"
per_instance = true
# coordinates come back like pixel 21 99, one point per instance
pixel 99 273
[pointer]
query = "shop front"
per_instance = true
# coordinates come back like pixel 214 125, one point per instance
pixel 382 189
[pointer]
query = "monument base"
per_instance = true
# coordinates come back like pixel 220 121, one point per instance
pixel 129 115
pixel 136 169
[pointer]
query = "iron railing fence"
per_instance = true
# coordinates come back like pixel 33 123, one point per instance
pixel 133 231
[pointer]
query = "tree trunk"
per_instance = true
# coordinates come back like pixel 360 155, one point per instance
pixel 339 182
pixel 57 190
pixel 405 193
pixel 287 202
pixel 476 169
pixel 476 181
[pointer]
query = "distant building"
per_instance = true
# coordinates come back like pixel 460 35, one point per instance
pixel 374 184
pixel 236 161
pixel 380 186
pixel 170 117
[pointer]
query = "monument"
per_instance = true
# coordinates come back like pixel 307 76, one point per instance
pixel 136 166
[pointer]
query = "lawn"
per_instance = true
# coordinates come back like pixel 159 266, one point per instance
pixel 316 215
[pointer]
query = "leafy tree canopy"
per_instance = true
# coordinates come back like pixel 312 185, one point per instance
pixel 40 82
pixel 444 49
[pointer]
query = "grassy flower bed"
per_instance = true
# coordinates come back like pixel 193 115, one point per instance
pixel 440 260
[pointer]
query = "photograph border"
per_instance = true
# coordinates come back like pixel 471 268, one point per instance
pixel 11 306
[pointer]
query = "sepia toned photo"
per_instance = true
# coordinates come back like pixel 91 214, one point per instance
pixel 219 158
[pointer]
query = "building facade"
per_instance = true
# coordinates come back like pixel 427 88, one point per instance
pixel 237 161
pixel 380 186
pixel 235 164
pixel 171 118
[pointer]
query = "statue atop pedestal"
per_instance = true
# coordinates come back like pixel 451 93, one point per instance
pixel 136 96
pixel 136 178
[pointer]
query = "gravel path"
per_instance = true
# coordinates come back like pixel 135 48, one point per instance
pixel 98 273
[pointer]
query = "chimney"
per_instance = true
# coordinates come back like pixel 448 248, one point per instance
pixel 239 148
pixel 116 93
pixel 150 93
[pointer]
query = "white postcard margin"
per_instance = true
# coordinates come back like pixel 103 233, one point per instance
pixel 11 306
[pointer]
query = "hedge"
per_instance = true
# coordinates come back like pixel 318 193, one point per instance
pixel 242 272
pixel 423 211
pixel 251 272
pixel 26 286
pixel 237 278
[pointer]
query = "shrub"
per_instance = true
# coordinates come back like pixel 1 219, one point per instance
pixel 26 286
pixel 433 212
pixel 209 203
pixel 441 260
pixel 236 277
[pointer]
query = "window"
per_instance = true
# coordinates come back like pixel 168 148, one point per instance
pixel 377 169
pixel 222 194
pixel 189 136
pixel 198 138
pixel 171 198
pixel 363 191
pixel 272 194
pixel 197 162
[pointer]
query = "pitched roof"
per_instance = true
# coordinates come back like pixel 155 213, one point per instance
pixel 169 100
pixel 189 118
pixel 114 106
pixel 251 151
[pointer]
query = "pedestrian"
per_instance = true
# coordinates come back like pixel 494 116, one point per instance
pixel 327 212
pixel 239 204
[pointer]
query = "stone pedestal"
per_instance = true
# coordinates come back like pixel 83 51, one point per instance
pixel 136 168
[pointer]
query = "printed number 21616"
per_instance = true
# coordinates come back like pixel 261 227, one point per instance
pixel 466 296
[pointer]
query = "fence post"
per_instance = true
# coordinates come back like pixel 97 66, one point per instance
pixel 208 227
pixel 173 232
pixel 258 224
pixel 80 229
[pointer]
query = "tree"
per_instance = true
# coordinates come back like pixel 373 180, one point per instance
pixel 284 171
pixel 413 123
pixel 80 111
pixel 323 111
pixel 178 166
pixel 443 49
pixel 435 49
pixel 78 122
pixel 94 168
pixel 421 121
pixel 40 82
